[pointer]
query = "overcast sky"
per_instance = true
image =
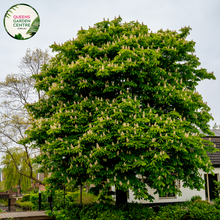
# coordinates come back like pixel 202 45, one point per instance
pixel 60 21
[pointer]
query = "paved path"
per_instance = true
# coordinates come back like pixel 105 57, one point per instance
pixel 33 215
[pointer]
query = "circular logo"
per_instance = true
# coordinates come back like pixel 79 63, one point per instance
pixel 21 21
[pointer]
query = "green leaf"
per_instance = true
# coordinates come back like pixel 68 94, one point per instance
pixel 34 26
pixel 19 37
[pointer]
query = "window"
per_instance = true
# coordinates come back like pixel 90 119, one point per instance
pixel 127 194
pixel 170 195
pixel 167 195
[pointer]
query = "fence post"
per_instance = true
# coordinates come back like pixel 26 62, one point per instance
pixel 39 205
pixel 49 199
pixel 9 204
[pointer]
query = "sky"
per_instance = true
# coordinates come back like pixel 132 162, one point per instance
pixel 61 20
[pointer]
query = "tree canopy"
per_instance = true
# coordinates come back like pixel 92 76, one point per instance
pixel 121 109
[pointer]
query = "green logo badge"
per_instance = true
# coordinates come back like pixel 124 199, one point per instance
pixel 21 21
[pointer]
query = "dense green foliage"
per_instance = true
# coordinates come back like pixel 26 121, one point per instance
pixel 194 198
pixel 11 177
pixel 198 210
pixel 26 198
pixel 25 205
pixel 173 212
pixel 103 211
pixel 217 203
pixel 4 202
pixel 34 199
pixel 120 104
pixel 217 188
pixel 201 210
pixel 58 199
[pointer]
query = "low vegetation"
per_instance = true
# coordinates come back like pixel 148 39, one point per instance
pixel 70 208
pixel 197 210
pixel 25 205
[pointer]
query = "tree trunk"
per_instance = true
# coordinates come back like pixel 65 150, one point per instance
pixel 121 197
pixel 87 187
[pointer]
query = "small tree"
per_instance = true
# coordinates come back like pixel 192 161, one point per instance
pixel 121 110
pixel 18 90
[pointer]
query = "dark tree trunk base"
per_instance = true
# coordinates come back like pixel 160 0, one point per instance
pixel 121 197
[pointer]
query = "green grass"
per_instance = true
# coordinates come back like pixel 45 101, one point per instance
pixel 86 197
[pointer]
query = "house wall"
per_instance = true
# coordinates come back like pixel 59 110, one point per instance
pixel 186 193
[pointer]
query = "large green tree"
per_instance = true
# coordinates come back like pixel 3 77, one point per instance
pixel 121 109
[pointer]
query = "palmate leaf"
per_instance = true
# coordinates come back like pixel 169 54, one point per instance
pixel 34 26
pixel 19 36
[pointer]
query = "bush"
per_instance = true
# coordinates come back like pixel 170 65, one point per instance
pixel 171 212
pixel 91 211
pixel 196 210
pixel 4 201
pixel 25 198
pixel 217 188
pixel 136 211
pixel 194 198
pixel 70 212
pixel 111 215
pixel 57 200
pixel 103 212
pixel 34 198
pixel 217 203
pixel 86 197
pixel 202 210
pixel 25 205
pixel 71 197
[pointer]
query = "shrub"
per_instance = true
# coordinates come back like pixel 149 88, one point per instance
pixel 197 210
pixel 217 203
pixel 171 212
pixel 194 198
pixel 202 210
pixel 86 197
pixel 25 198
pixel 103 212
pixel 136 211
pixel 91 211
pixel 25 205
pixel 217 188
pixel 70 212
pixel 4 202
pixel 71 197
pixel 34 198
pixel 111 215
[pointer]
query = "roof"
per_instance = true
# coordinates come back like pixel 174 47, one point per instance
pixel 214 157
pixel 217 132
